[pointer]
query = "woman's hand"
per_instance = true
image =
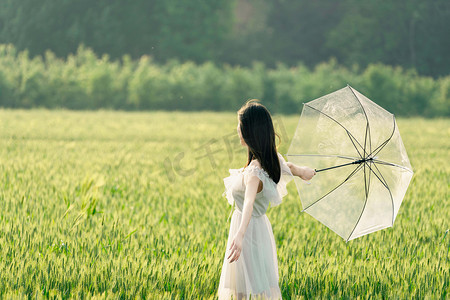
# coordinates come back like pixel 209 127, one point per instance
pixel 307 173
pixel 236 247
pixel 304 173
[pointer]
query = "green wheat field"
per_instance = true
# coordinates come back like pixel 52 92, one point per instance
pixel 107 204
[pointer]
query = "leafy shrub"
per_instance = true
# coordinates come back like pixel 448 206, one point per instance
pixel 85 81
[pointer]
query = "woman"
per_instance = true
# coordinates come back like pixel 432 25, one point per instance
pixel 250 266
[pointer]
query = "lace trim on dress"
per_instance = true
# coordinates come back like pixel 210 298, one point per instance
pixel 274 191
pixel 250 171
pixel 229 182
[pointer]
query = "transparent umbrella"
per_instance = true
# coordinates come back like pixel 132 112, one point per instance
pixel 362 167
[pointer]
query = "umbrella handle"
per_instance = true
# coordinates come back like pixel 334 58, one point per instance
pixel 320 170
pixel 343 165
pixel 334 167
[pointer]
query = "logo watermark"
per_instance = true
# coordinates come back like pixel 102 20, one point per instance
pixel 208 152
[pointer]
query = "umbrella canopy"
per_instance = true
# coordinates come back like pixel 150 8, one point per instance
pixel 362 167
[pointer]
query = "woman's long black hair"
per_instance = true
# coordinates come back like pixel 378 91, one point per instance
pixel 258 133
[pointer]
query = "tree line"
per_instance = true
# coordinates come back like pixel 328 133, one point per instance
pixel 410 34
pixel 86 81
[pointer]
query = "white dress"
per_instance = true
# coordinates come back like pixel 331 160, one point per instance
pixel 255 272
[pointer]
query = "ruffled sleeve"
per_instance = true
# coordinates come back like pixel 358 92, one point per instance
pixel 273 191
pixel 229 182
pixel 251 171
pixel 286 177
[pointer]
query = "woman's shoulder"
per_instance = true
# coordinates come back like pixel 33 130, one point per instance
pixel 255 168
pixel 255 163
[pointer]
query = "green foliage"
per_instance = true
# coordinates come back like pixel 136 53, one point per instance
pixel 166 29
pixel 126 205
pixel 411 34
pixel 85 81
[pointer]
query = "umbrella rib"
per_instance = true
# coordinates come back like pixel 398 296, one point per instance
pixel 385 163
pixel 367 124
pixel 365 201
pixel 366 189
pixel 348 132
pixel 348 177
pixel 387 187
pixel 351 140
pixel 385 142
pixel 368 184
pixel 365 139
pixel 381 175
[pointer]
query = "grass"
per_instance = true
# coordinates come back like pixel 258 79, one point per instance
pixel 129 204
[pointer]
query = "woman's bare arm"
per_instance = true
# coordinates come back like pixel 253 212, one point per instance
pixel 250 195
pixel 249 200
pixel 304 173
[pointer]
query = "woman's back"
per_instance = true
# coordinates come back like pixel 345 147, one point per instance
pixel 271 192
pixel 255 272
